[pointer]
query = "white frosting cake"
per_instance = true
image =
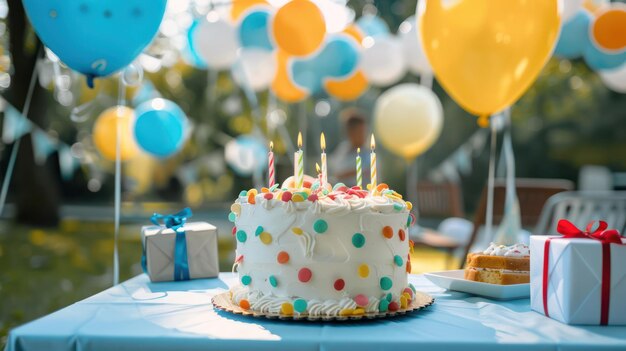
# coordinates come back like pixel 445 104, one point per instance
pixel 325 252
pixel 516 250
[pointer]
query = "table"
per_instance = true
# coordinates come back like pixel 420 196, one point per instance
pixel 138 314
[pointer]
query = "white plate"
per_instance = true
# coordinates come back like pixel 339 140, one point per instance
pixel 453 280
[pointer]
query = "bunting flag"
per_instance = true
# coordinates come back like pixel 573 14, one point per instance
pixel 15 124
pixel 43 146
pixel 67 163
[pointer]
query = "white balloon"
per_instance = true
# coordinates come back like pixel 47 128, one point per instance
pixel 413 52
pixel 383 61
pixel 570 7
pixel 615 79
pixel 255 68
pixel 216 41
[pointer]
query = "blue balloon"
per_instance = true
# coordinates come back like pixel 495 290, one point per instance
pixel 574 36
pixel 372 25
pixel 598 59
pixel 189 53
pixel 254 30
pixel 246 154
pixel 94 37
pixel 338 58
pixel 160 127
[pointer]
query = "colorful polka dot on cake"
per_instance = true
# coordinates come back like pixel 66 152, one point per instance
pixel 241 236
pixel 266 238
pixel 268 196
pixel 246 280
pixel 388 232
pixel 401 234
pixel 383 306
pixel 312 197
pixel 386 283
pixel 258 231
pixel 234 231
pixel 339 284
pixel 243 193
pixel 361 300
pixel 282 257
pixel 398 260
pixel 304 275
pixel 363 271
pixel 297 231
pixel 273 281
pixel 358 240
pixel 297 198
pixel 393 306
pixel 286 196
pixel 286 308
pixel 320 226
pixel 300 305
pixel 235 208
pixel 245 304
pixel 232 217
pixel 403 302
pixel 252 199
pixel 408 291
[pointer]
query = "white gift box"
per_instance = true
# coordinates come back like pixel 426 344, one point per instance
pixel 159 244
pixel 575 273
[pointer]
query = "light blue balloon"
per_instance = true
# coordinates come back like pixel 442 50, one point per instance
pixel 372 25
pixel 95 37
pixel 338 58
pixel 189 53
pixel 574 36
pixel 160 127
pixel 254 30
pixel 249 145
pixel 601 60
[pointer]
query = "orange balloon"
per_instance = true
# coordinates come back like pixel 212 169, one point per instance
pixel 609 29
pixel 348 89
pixel 283 86
pixel 105 132
pixel 299 27
pixel 355 32
pixel 240 6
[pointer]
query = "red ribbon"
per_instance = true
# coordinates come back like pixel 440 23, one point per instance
pixel 606 237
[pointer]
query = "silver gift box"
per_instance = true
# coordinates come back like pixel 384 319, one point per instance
pixel 159 243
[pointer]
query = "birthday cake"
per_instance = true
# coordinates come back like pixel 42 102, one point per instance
pixel 321 251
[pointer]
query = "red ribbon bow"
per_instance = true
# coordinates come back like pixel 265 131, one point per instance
pixel 606 237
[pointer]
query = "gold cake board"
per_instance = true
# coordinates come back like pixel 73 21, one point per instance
pixel 223 302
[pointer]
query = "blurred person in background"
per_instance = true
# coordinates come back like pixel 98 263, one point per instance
pixel 342 159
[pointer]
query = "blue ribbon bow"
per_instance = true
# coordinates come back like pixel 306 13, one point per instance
pixel 176 222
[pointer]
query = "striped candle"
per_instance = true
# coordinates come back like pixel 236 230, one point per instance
pixel 324 178
pixel 373 163
pixel 298 165
pixel 272 179
pixel 359 169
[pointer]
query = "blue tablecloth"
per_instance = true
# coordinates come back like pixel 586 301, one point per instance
pixel 138 314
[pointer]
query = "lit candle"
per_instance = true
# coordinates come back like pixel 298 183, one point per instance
pixel 324 178
pixel 298 165
pixel 373 163
pixel 319 174
pixel 359 169
pixel 270 155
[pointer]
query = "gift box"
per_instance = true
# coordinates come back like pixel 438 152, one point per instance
pixel 177 250
pixel 580 277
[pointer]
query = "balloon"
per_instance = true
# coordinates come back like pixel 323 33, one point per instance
pixel 96 38
pixel 190 53
pixel 413 52
pixel 608 31
pixel 299 28
pixel 246 154
pixel 216 41
pixel 160 127
pixel 256 68
pixel 282 85
pixel 338 58
pixel 594 6
pixel 372 25
pixel 355 32
pixel 486 54
pixel 408 119
pixel 383 60
pixel 239 7
pixel 615 79
pixel 254 30
pixel 348 89
pixel 574 37
pixel 105 132
pixel 571 8
pixel 336 14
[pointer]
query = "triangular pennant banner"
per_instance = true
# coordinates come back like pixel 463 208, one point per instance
pixel 43 146
pixel 15 125
pixel 67 163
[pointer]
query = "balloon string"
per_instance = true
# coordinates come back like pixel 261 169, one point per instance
pixel 411 184
pixel 490 182
pixel 121 101
pixel 16 145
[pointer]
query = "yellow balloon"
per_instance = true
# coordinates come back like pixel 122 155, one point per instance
pixel 104 133
pixel 299 27
pixel 408 119
pixel 282 85
pixel 347 89
pixel 486 53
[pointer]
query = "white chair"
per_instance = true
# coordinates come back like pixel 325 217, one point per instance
pixel 581 207
pixel 595 178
